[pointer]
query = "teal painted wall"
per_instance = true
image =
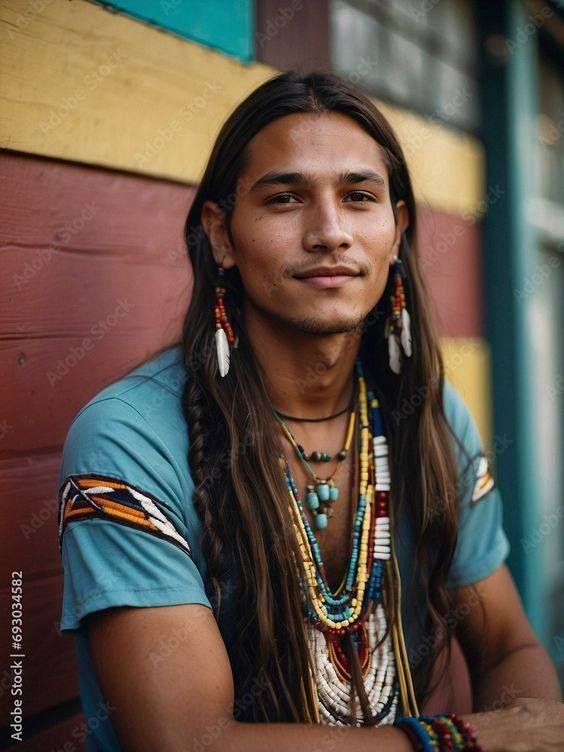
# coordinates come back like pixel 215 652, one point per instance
pixel 226 25
pixel 510 105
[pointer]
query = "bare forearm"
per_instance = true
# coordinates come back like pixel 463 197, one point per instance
pixel 280 737
pixel 525 672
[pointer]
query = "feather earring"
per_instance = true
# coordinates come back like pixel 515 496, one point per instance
pixel 406 331
pixel 398 324
pixel 222 349
pixel 394 353
pixel 223 332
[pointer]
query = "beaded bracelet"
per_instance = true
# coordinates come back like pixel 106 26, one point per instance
pixel 416 733
pixel 442 732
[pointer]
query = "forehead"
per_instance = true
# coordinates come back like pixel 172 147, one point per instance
pixel 325 142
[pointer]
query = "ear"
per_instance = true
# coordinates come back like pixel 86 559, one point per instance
pixel 213 221
pixel 402 223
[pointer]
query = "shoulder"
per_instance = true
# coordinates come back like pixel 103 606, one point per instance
pixel 482 544
pixel 473 463
pixel 143 407
pixel 458 413
pixel 130 443
pixel 153 390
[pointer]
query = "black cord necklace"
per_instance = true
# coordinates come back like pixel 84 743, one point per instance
pixel 318 420
pixel 314 420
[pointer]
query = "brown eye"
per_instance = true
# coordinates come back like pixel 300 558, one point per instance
pixel 361 196
pixel 281 199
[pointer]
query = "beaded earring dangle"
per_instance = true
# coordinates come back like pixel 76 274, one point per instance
pixel 223 332
pixel 398 324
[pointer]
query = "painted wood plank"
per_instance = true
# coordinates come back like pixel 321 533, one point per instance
pixel 226 27
pixel 29 517
pixel 84 84
pixel 86 300
pixel 451 264
pixel 121 94
pixel 294 35
pixel 467 366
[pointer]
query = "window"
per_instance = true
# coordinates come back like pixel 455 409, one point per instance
pixel 420 54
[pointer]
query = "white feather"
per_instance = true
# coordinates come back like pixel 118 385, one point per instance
pixel 158 518
pixel 394 352
pixel 406 332
pixel 222 347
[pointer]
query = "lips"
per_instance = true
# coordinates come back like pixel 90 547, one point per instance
pixel 328 271
pixel 324 277
pixel 327 276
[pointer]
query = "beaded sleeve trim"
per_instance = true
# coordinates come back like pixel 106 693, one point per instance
pixel 485 482
pixel 101 497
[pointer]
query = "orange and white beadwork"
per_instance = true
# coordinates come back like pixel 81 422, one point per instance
pixel 96 496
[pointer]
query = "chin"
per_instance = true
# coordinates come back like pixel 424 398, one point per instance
pixel 324 326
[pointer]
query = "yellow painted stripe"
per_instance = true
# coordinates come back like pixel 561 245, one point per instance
pixel 447 166
pixel 467 367
pixel 83 84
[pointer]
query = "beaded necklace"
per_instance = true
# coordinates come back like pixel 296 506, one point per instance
pixel 323 493
pixel 358 606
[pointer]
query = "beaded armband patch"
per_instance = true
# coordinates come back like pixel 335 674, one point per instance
pixel 485 481
pixel 101 497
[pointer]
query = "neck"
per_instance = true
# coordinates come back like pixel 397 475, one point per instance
pixel 306 375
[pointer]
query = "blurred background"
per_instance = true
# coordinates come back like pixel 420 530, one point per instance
pixel 108 113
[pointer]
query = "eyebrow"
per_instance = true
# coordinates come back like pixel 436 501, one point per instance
pixel 301 178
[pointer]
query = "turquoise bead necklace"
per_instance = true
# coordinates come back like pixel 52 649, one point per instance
pixel 323 493
pixel 357 608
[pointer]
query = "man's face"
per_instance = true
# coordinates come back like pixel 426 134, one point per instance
pixel 327 205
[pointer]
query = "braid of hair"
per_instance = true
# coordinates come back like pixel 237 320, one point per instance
pixel 211 542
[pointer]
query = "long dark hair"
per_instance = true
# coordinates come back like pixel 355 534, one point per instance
pixel 240 493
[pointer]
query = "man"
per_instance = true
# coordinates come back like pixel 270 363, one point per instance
pixel 239 516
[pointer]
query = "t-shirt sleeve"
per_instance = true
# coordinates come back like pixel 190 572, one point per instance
pixel 122 525
pixel 482 544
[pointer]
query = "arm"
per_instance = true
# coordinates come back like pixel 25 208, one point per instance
pixel 504 657
pixel 167 678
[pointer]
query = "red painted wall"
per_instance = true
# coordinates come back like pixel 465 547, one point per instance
pixel 95 280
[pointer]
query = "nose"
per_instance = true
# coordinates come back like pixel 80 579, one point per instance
pixel 326 231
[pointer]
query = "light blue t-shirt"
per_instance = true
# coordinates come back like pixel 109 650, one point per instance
pixel 129 532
